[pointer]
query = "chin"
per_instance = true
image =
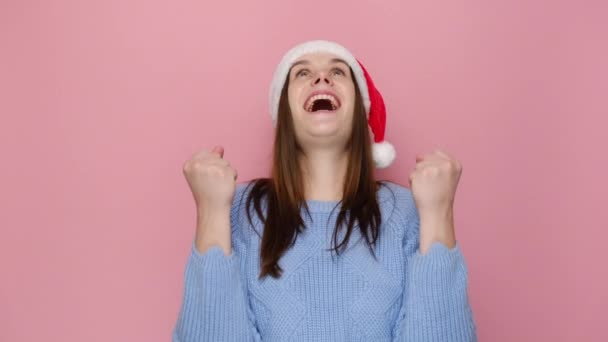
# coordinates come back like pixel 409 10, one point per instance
pixel 325 132
pixel 327 127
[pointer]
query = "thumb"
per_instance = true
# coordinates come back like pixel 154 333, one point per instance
pixel 219 150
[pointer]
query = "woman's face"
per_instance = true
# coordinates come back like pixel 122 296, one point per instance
pixel 321 96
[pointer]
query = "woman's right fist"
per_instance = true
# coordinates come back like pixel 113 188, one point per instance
pixel 211 179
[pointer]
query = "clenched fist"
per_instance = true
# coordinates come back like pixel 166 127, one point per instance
pixel 433 184
pixel 213 183
pixel 211 179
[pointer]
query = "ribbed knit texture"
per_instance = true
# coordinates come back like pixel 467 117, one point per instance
pixel 401 296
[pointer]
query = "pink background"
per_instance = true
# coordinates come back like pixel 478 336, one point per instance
pixel 102 101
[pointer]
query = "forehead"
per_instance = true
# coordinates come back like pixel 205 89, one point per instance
pixel 319 58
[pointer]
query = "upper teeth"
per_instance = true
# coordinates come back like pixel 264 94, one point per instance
pixel 332 99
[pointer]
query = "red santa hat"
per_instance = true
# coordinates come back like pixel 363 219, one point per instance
pixel 383 151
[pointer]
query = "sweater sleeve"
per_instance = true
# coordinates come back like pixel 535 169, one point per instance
pixel 435 303
pixel 215 305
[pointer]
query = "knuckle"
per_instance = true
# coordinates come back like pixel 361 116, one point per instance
pixel 198 166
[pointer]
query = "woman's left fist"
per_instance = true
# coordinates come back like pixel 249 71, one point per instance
pixel 433 183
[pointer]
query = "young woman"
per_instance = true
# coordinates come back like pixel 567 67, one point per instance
pixel 320 250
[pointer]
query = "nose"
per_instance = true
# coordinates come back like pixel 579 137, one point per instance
pixel 321 77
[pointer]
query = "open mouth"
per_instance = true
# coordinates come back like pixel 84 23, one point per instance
pixel 322 102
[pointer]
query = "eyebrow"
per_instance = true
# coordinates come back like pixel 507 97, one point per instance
pixel 305 62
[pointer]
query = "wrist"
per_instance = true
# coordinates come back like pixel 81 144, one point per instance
pixel 449 240
pixel 203 244
pixel 213 228
pixel 437 228
pixel 209 212
pixel 444 214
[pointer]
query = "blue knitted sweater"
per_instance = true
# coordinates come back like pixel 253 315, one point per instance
pixel 401 296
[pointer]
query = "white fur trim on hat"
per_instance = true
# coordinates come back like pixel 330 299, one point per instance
pixel 383 153
pixel 282 70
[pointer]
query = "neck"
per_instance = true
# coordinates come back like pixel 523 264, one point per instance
pixel 324 172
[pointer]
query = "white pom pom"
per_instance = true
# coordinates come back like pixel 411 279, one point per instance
pixel 384 154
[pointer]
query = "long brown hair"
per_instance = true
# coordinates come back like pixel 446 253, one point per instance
pixel 284 190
